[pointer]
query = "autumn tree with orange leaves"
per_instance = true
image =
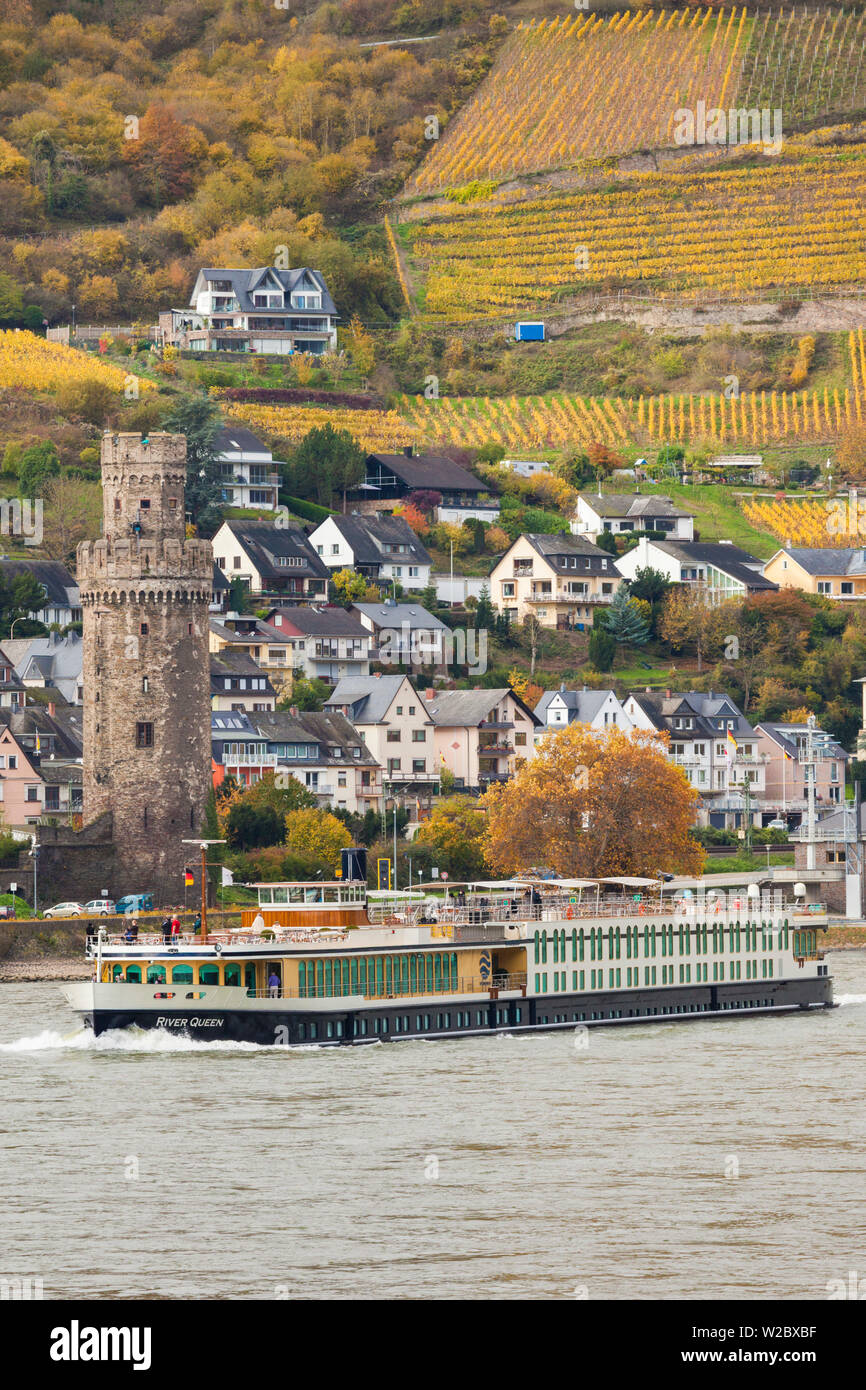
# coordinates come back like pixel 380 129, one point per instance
pixel 594 803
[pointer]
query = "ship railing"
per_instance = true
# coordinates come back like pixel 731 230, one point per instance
pixel 497 982
pixel 483 910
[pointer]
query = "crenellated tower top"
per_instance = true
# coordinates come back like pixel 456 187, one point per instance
pixel 143 480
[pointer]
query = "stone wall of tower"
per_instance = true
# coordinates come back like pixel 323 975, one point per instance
pixel 145 591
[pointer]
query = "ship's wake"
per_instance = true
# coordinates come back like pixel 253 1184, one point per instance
pixel 843 999
pixel 137 1040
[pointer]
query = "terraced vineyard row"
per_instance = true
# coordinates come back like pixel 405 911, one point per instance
pixel 535 424
pixel 783 224
pixel 591 86
pixel 807 523
pixel 582 87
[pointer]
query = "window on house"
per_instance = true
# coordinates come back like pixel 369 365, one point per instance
pixel 221 561
pixel 236 562
pixel 13 762
pixel 145 685
pixel 419 735
pixel 144 504
pixel 393 736
pixel 143 629
pixel 144 735
pixel 32 793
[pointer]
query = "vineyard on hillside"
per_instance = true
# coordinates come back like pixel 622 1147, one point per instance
pixel 809 523
pixel 30 362
pixel 535 424
pixel 782 224
pixel 592 86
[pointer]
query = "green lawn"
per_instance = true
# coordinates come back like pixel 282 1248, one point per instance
pixel 717 515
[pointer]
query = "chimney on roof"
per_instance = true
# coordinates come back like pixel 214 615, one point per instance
pixel 647 690
pixel 562 687
pixel 51 709
pixel 408 450
pixel 294 711
pixel 668 694
pixel 429 694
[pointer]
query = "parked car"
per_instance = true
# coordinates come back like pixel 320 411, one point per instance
pixel 777 824
pixel 134 902
pixel 6 910
pixel 103 907
pixel 64 910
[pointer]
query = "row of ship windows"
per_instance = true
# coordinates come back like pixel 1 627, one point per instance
pixel 626 941
pixel 631 975
pixel 662 1010
pixel 382 975
pixel 402 1023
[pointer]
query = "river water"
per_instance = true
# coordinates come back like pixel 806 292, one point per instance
pixel 711 1159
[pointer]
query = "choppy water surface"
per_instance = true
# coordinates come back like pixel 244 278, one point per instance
pixel 141 1165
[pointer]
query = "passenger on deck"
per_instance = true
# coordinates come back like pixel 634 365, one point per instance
pixel 274 985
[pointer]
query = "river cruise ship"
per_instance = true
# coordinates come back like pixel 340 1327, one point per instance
pixel 328 964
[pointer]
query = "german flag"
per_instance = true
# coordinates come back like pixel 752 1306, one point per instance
pixel 188 877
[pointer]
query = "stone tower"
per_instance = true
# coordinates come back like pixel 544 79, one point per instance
pixel 145 591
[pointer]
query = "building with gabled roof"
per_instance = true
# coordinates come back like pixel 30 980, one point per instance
pixel 382 548
pixel 562 579
pixel 247 469
pixel 62 604
pixel 324 643
pixel 481 736
pixel 720 569
pixel 713 743
pixel 625 513
pixel 49 663
pixel 396 726
pixel 390 478
pixel 238 683
pixel 326 754
pixel 837 572
pixel 265 310
pixel 271 559
pixel 788 771
pixel 600 709
pixel 404 634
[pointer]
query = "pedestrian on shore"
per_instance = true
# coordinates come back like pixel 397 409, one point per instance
pixel 274 985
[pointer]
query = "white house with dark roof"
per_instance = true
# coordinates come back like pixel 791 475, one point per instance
pixel 600 709
pixel 626 513
pixel 268 558
pixel 62 604
pixel 721 569
pixel 390 478
pixel 713 743
pixel 263 310
pixel 381 548
pixel 248 473
pixel 49 663
pixel 325 643
pixel 404 634
pixel 481 736
pixel 326 754
pixel 562 579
